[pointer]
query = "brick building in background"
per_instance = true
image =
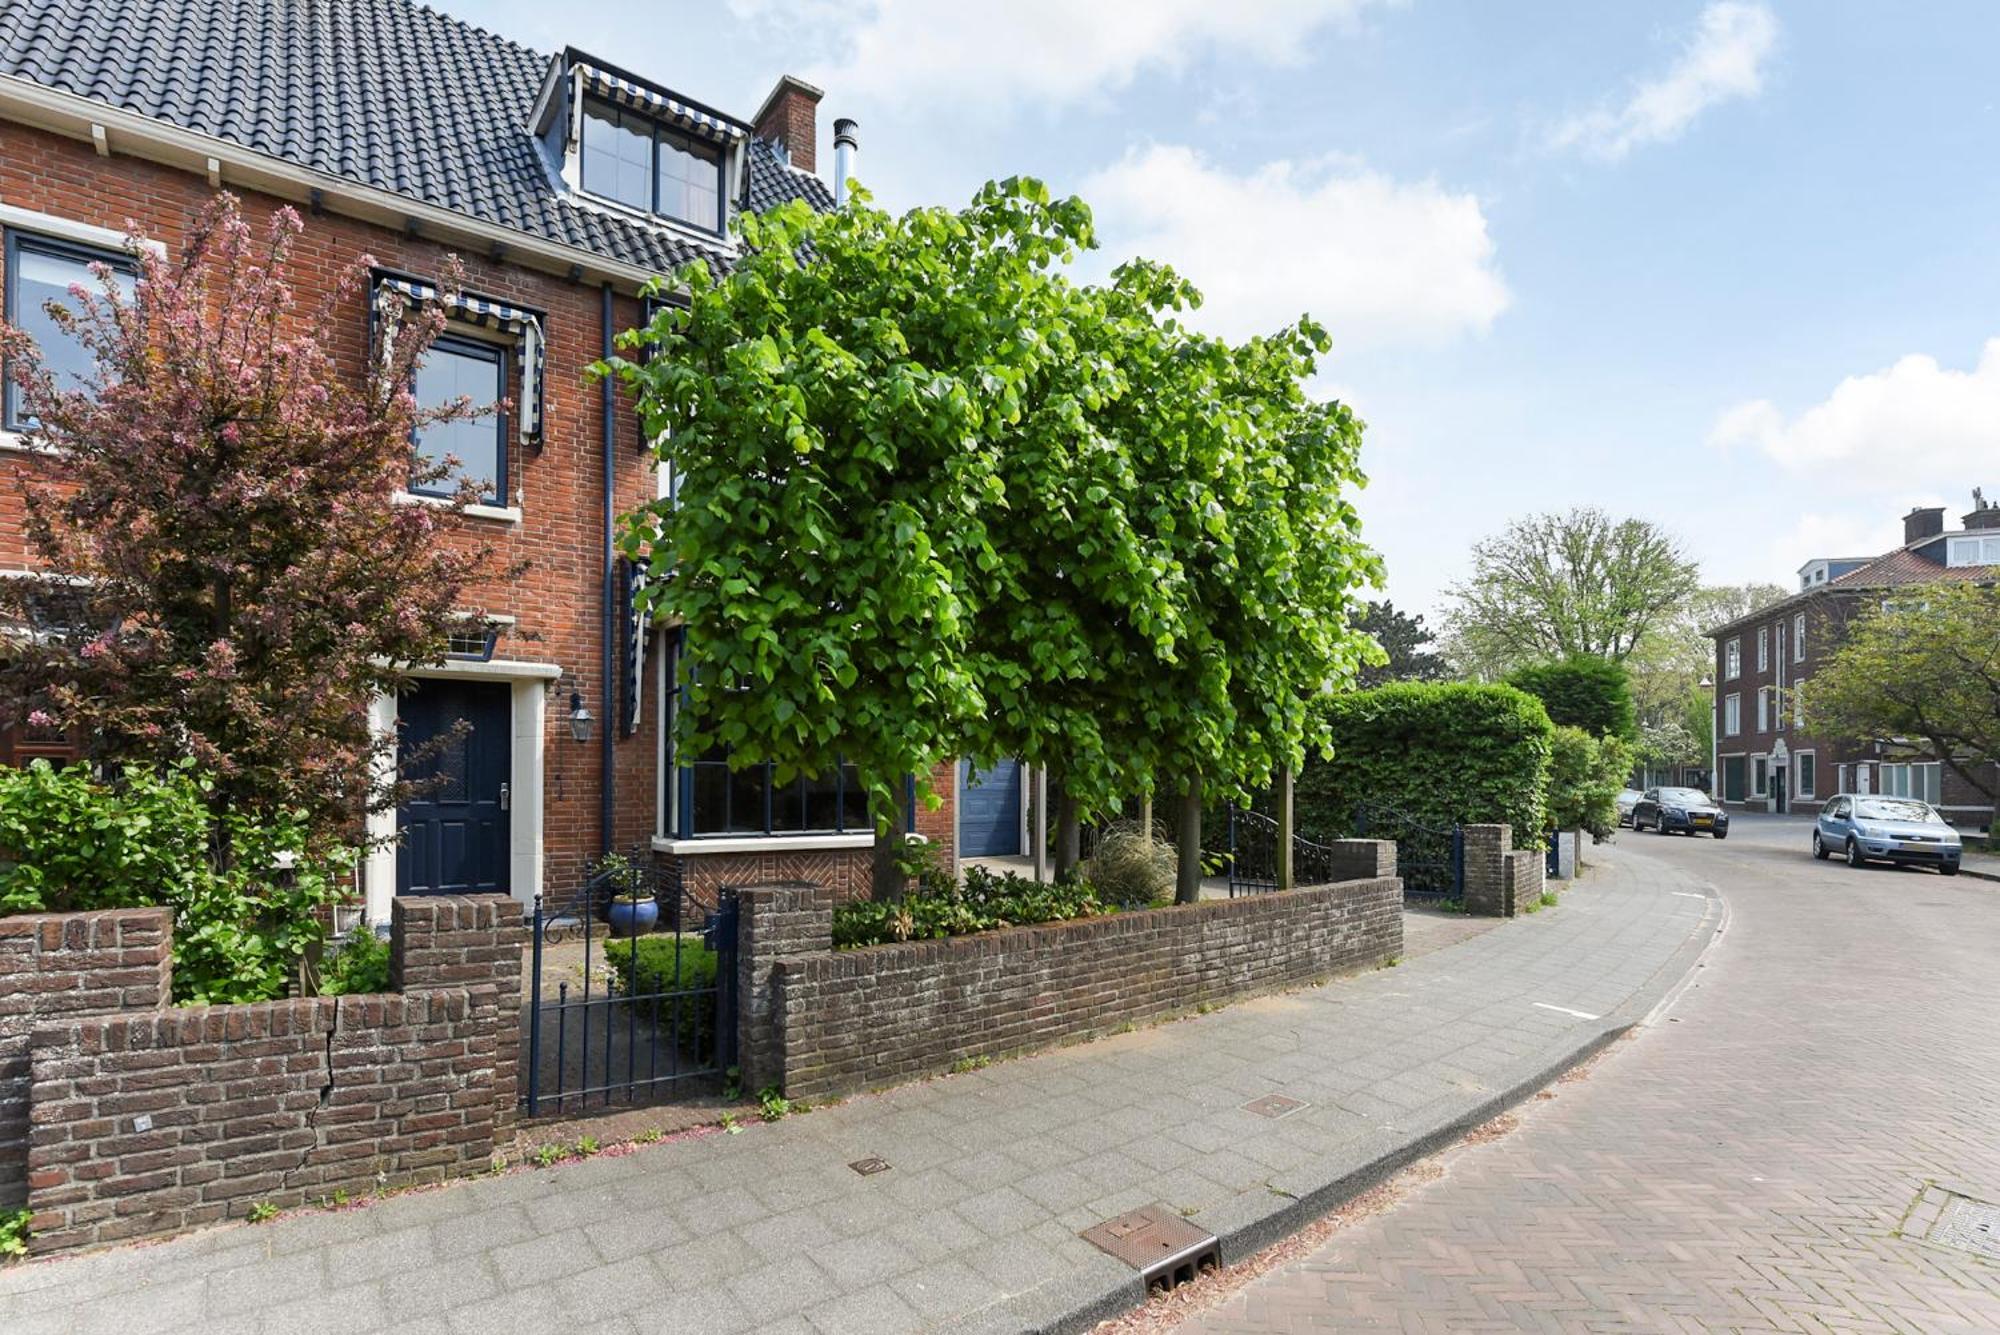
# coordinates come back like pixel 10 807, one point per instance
pixel 1768 755
pixel 563 184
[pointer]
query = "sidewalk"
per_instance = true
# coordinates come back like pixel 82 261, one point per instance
pixel 993 1173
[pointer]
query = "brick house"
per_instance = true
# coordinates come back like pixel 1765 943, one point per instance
pixel 563 183
pixel 1767 754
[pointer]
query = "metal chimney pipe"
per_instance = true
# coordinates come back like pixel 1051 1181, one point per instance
pixel 845 146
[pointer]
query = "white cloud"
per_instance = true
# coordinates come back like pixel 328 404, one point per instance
pixel 998 52
pixel 1913 422
pixel 1816 535
pixel 1724 59
pixel 1376 260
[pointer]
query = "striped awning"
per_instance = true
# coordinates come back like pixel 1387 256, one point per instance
pixel 657 104
pixel 393 292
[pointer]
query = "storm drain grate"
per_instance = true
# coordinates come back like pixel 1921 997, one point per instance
pixel 1944 1218
pixel 1274 1106
pixel 870 1166
pixel 1164 1248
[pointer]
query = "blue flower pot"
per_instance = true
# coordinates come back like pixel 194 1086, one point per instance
pixel 632 917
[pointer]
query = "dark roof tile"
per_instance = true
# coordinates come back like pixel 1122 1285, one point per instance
pixel 386 93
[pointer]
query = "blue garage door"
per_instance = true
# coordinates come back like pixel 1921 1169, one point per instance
pixel 989 810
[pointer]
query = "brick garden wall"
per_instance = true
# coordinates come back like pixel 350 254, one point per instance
pixel 838 1021
pixel 148 1119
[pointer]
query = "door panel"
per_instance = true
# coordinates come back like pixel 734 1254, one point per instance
pixel 989 818
pixel 453 836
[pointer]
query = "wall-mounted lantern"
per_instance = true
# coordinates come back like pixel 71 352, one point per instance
pixel 582 723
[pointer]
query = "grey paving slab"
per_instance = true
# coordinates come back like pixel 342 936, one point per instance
pixel 994 1172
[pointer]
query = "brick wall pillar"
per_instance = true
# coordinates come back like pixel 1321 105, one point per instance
pixel 472 942
pixel 53 966
pixel 773 922
pixel 1363 859
pixel 1486 850
pixel 1526 872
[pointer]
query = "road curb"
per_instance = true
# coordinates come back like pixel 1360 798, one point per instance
pixel 1247 1225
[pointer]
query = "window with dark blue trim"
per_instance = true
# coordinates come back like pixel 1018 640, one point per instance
pixel 465 367
pixel 41 269
pixel 636 161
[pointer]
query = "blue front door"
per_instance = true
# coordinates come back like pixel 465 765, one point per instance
pixel 989 810
pixel 452 836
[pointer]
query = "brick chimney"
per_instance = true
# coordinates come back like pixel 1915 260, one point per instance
pixel 1923 522
pixel 1984 513
pixel 789 116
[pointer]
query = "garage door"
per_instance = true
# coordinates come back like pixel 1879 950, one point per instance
pixel 989 811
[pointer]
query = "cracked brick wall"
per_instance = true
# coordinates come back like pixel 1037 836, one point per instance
pixel 847 1020
pixel 149 1121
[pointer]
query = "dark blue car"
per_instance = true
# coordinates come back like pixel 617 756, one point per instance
pixel 1680 811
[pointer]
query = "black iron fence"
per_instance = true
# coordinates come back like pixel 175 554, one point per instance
pixel 631 996
pixel 1253 856
pixel 1430 857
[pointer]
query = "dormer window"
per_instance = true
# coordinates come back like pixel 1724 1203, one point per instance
pixel 1976 551
pixel 633 160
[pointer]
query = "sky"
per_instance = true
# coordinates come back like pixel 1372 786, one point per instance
pixel 1726 266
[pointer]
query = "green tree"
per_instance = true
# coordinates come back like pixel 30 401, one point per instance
pixel 1924 667
pixel 1409 644
pixel 1586 772
pixel 1588 693
pixel 1571 585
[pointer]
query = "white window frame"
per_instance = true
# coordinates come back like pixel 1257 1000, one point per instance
pixel 1799 638
pixel 1732 659
pixel 1760 776
pixel 1763 709
pixel 1732 715
pixel 1798 771
pixel 1763 648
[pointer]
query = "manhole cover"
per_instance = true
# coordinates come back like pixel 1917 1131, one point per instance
pixel 1943 1218
pixel 870 1167
pixel 1969 1225
pixel 1273 1105
pixel 1156 1242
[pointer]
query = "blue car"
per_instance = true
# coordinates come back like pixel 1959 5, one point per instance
pixel 1679 811
pixel 1901 830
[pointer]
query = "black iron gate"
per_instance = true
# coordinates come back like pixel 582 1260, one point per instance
pixel 631 995
pixel 1429 857
pixel 1253 856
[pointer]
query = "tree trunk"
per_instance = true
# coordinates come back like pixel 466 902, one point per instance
pixel 1069 835
pixel 1187 882
pixel 886 879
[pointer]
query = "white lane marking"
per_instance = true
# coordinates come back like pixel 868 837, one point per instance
pixel 1689 894
pixel 1581 1015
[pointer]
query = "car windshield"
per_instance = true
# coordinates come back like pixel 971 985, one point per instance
pixel 1686 795
pixel 1896 808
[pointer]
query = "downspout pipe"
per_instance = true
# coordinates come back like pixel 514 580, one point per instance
pixel 607 712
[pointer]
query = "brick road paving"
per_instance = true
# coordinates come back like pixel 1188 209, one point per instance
pixel 1747 1165
pixel 995 1171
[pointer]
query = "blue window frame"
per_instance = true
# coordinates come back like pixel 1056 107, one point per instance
pixel 457 366
pixel 710 800
pixel 41 269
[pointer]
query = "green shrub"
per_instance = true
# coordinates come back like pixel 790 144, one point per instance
pixel 670 981
pixel 70 842
pixel 984 902
pixel 1589 693
pixel 14 1233
pixel 1585 776
pixel 1440 754
pixel 360 965
pixel 1130 868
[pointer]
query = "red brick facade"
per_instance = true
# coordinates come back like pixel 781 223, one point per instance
pixel 557 604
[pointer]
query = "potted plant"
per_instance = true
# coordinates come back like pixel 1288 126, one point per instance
pixel 631 910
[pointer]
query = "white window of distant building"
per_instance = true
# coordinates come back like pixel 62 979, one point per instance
pixel 1975 551
pixel 1732 660
pixel 1840 773
pixel 1763 709
pixel 1808 770
pixel 1732 715
pixel 1799 638
pixel 1921 781
pixel 1763 648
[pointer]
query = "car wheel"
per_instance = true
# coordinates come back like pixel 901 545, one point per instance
pixel 1949 869
pixel 1722 834
pixel 1819 847
pixel 1854 858
pixel 1662 826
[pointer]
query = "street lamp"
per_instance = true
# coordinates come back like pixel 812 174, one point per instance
pixel 581 720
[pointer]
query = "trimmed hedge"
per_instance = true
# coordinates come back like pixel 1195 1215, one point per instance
pixel 1439 753
pixel 1589 693
pixel 654 972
